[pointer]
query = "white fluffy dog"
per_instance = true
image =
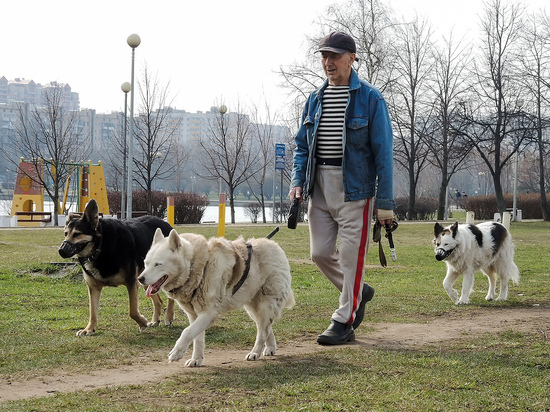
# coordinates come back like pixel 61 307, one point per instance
pixel 210 278
pixel 466 248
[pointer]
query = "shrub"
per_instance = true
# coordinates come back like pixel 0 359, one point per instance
pixel 139 202
pixel 252 210
pixel 425 208
pixel 485 207
pixel 188 208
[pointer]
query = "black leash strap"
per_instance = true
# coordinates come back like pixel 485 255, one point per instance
pixel 377 238
pixel 273 232
pixel 246 269
pixel 247 263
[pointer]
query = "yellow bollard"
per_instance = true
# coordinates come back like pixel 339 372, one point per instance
pixel 221 219
pixel 170 210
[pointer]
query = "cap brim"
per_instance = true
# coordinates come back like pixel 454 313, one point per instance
pixel 333 50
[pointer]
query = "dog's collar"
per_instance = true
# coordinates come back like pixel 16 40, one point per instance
pixel 97 248
pixel 95 254
pixel 246 269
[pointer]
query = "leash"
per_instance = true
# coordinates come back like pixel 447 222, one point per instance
pixel 247 262
pixel 246 269
pixel 273 232
pixel 377 238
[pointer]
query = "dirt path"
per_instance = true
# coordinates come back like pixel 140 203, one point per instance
pixel 453 327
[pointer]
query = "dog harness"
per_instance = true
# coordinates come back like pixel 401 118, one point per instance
pixel 246 269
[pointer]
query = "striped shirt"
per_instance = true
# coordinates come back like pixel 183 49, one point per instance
pixel 331 123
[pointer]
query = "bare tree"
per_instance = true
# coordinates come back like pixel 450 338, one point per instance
pixel 115 170
pixel 535 72
pixel 411 103
pixel 496 102
pixel 49 136
pixel 368 22
pixel 263 133
pixel 228 152
pixel 448 146
pixel 159 154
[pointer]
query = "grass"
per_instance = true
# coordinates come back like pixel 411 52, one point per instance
pixel 42 310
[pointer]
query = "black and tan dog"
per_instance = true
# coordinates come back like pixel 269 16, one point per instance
pixel 111 253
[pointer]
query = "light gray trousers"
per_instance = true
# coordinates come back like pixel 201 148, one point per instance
pixel 331 219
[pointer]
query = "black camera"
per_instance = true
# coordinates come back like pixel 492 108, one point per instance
pixel 293 214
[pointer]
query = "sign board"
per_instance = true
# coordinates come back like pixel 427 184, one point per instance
pixel 279 156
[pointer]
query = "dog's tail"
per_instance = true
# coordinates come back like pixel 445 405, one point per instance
pixel 273 232
pixel 514 273
pixel 290 301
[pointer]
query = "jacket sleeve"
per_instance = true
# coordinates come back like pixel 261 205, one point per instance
pixel 382 146
pixel 301 153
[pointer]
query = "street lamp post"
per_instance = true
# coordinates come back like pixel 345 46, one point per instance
pixel 126 87
pixel 133 41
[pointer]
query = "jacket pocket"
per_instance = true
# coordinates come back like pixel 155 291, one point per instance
pixel 309 123
pixel 356 123
pixel 357 133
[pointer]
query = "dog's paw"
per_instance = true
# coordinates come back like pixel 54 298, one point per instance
pixel 193 363
pixel 168 322
pixel 269 351
pixel 252 356
pixel 85 332
pixel 462 302
pixel 153 324
pixel 175 355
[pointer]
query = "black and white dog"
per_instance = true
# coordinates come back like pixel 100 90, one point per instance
pixel 466 248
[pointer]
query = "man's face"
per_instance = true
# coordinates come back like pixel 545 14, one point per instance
pixel 337 67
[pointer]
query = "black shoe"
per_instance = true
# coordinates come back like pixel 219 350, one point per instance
pixel 367 294
pixel 336 334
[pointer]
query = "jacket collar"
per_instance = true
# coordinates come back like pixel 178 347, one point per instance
pixel 354 83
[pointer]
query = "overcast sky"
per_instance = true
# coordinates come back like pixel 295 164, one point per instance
pixel 209 51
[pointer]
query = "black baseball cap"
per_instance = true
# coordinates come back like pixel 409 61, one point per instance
pixel 337 42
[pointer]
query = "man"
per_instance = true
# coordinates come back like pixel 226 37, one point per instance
pixel 344 150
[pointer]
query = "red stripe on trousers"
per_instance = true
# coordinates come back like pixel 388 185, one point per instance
pixel 361 258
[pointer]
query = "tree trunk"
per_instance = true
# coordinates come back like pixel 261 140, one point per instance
pixel 545 209
pixel 232 204
pixel 501 204
pixel 412 194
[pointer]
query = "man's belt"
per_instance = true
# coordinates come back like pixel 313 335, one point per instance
pixel 337 161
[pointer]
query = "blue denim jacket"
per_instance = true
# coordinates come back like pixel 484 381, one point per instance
pixel 368 145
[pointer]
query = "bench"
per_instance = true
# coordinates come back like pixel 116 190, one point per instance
pixel 44 217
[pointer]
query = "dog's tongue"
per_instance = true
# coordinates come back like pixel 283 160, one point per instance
pixel 155 287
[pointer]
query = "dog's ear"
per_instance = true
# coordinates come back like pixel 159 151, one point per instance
pixel 437 229
pixel 158 235
pixel 91 213
pixel 174 241
pixel 454 229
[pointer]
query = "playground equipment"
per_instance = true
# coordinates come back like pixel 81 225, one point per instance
pixel 28 194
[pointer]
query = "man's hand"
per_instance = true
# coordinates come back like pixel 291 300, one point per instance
pixel 295 192
pixel 385 217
